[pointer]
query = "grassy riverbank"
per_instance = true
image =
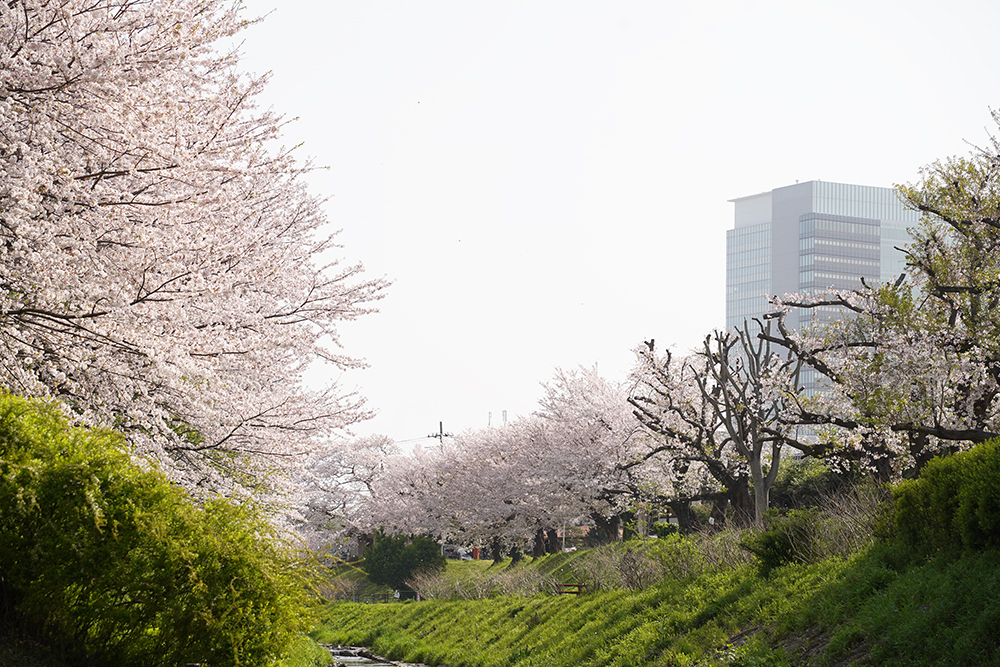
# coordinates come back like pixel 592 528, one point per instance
pixel 862 579
pixel 873 608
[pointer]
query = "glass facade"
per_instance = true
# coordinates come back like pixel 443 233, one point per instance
pixel 748 272
pixel 845 234
pixel 837 251
pixel 893 261
pixel 859 201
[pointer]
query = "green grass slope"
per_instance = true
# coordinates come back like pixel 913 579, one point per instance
pixel 873 608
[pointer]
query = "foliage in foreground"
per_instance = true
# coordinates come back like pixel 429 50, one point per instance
pixel 828 596
pixel 107 563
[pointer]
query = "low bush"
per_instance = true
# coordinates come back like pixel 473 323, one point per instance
pixel 844 523
pixel 482 584
pixel 805 482
pixel 788 537
pixel 617 566
pixel 955 503
pixel 112 564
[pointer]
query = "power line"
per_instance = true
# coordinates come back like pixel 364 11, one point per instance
pixel 440 435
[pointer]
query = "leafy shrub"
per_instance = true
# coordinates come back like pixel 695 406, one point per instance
pixel 954 504
pixel 663 529
pixel 393 559
pixel 681 556
pixel 787 538
pixel 843 523
pixel 117 566
pixel 719 550
pixel 522 580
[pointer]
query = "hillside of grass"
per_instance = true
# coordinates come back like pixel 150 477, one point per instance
pixel 863 580
pixel 872 608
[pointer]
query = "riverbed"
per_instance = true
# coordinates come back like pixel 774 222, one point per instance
pixel 356 655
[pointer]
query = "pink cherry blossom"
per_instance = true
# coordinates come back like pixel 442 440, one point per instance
pixel 165 271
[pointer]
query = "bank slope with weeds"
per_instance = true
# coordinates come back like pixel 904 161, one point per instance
pixel 923 588
pixel 672 623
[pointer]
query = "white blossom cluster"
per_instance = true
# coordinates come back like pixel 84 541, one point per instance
pixel 161 263
pixel 914 369
pixel 570 459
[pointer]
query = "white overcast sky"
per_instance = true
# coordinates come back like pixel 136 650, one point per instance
pixel 547 182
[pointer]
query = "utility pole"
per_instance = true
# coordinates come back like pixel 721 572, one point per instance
pixel 440 435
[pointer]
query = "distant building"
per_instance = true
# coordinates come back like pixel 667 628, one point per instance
pixel 811 236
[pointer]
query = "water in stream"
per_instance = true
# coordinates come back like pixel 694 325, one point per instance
pixel 353 655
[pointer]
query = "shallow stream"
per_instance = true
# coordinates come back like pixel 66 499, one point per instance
pixel 355 655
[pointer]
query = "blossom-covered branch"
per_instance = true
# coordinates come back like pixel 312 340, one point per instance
pixel 161 264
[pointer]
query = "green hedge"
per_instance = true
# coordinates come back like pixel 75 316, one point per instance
pixel 955 503
pixel 112 564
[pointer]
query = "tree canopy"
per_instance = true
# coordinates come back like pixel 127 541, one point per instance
pixel 163 268
pixel 913 369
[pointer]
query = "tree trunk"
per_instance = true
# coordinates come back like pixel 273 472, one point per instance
pixel 606 529
pixel 496 549
pixel 538 548
pixel 719 512
pixel 687 520
pixel 762 483
pixel 743 506
pixel 552 541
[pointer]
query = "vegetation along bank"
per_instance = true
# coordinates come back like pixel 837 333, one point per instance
pixel 862 578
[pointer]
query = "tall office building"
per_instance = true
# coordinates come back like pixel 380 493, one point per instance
pixel 811 236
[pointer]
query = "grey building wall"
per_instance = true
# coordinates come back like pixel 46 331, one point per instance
pixel 811 236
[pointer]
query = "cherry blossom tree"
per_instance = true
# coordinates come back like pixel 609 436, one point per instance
pixel 590 444
pixel 337 485
pixel 747 384
pixel 164 269
pixel 716 415
pixel 493 487
pixel 667 402
pixel 913 369
pixel 513 486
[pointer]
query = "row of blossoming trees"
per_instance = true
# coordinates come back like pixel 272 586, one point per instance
pixel 911 370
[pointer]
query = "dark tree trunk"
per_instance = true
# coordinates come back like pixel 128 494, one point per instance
pixel 538 548
pixel 552 541
pixel 364 543
pixel 719 513
pixel 606 529
pixel 496 549
pixel 687 520
pixel 882 470
pixel 743 505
